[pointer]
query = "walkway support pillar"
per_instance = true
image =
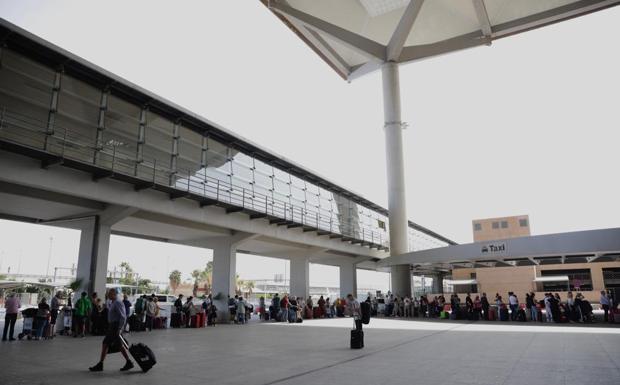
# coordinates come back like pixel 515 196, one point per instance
pixel 438 283
pixel 300 277
pixel 225 270
pixel 92 266
pixel 397 202
pixel 348 279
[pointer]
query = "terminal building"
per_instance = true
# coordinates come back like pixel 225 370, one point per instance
pixel 504 257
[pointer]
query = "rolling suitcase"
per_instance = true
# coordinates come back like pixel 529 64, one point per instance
pixel 142 354
pixel 492 315
pixel 357 339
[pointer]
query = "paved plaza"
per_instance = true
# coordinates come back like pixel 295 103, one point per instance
pixel 317 352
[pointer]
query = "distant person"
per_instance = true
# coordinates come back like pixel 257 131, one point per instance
pixel 55 309
pixel 178 304
pixel 151 308
pixel 42 318
pixel 261 307
pixel 354 309
pixel 241 310
pixel 117 317
pixel 532 307
pixel 549 314
pixel 139 310
pixel 484 301
pixel 127 305
pixel 83 308
pixel 12 305
pixel 605 304
pixel 321 304
pixel 513 303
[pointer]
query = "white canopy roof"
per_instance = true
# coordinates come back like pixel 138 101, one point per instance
pixel 356 36
pixel 15 284
pixel 552 278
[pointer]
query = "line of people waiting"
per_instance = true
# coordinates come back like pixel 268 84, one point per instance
pixel 550 308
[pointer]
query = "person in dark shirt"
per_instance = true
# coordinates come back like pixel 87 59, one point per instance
pixel 484 301
pixel 116 317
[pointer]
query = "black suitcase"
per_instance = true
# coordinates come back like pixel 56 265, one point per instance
pixel 365 308
pixel 357 339
pixel 142 354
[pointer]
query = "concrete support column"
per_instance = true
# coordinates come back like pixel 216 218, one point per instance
pixel 397 202
pixel 225 269
pixel 300 277
pixel 92 266
pixel 598 280
pixel 438 283
pixel 348 279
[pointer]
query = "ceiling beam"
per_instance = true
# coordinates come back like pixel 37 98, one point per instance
pixel 551 16
pixel 363 69
pixel 325 48
pixel 358 43
pixel 418 52
pixel 483 18
pixel 402 31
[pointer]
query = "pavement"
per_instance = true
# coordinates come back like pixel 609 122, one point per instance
pixel 317 352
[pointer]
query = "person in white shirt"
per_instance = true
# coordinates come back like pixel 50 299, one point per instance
pixel 355 310
pixel 605 305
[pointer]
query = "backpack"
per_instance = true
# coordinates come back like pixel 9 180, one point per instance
pixel 365 310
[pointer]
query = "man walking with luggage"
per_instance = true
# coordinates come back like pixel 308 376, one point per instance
pixel 117 317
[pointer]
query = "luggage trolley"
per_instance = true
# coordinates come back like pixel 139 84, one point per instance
pixel 28 323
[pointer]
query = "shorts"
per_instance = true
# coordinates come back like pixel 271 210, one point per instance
pixel 54 316
pixel 81 319
pixel 112 336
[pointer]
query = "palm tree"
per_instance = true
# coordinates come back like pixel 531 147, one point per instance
pixel 249 287
pixel 174 280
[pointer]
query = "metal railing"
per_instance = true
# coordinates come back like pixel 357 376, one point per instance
pixel 111 157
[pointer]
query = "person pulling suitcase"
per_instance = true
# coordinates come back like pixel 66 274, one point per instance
pixel 116 320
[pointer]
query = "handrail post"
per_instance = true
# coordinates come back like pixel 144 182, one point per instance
pixel 2 117
pixel 64 144
pixel 113 156
pixel 189 173
pixel 154 169
pixel 217 191
pixel 243 197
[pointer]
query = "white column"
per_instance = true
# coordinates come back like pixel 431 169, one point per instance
pixel 225 270
pixel 348 279
pixel 438 283
pixel 397 202
pixel 95 231
pixel 300 277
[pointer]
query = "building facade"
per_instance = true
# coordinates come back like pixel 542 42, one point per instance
pixel 491 229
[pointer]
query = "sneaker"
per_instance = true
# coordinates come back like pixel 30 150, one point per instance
pixel 128 366
pixel 97 368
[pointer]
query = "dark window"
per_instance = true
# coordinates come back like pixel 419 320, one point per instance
pixel 495 225
pixel 381 224
pixel 504 224
pixel 578 279
pixel 477 226
pixel 523 222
